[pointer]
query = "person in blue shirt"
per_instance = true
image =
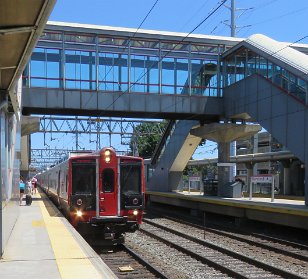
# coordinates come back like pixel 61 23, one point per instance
pixel 21 190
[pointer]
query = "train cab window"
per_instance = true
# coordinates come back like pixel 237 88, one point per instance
pixel 108 181
pixel 84 178
pixel 131 177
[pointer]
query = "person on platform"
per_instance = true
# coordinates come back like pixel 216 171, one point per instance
pixel 21 190
pixel 34 185
pixel 242 185
pixel 29 187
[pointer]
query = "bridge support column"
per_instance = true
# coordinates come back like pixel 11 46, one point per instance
pixel 306 187
pixel 223 171
pixel 249 167
pixel 286 177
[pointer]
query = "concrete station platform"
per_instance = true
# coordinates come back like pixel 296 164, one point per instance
pixel 43 244
pixel 291 213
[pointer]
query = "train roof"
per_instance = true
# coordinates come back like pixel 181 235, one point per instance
pixel 79 153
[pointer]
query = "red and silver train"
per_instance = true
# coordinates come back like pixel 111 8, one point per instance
pixel 101 193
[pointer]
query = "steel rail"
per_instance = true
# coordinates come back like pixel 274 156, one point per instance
pixel 228 252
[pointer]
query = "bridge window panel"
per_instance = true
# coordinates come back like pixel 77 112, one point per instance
pixel 72 69
pixel 277 75
pixel 213 49
pixel 168 75
pixel 240 65
pixel 79 38
pixel 252 63
pixel 263 67
pixel 174 46
pixel 144 74
pixel 197 86
pixel 210 78
pixel 53 66
pixel 80 70
pixel 138 73
pixel 297 87
pixel 38 71
pixel 87 70
pixel 230 71
pixel 182 81
pixel 269 70
pixel 152 68
pixel 105 72
pixel 122 63
pixel 112 41
pixel 144 44
pixel 284 79
pixel 113 72
pixel 51 36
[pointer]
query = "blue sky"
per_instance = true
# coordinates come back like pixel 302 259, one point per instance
pixel 282 20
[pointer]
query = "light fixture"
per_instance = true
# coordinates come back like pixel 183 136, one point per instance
pixel 79 213
pixel 107 155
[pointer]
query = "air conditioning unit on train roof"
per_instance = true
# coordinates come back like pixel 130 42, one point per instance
pixel 79 153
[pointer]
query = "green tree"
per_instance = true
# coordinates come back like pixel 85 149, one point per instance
pixel 147 136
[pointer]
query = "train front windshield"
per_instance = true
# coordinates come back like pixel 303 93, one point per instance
pixel 131 177
pixel 83 177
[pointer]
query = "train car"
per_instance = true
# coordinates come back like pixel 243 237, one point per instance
pixel 101 193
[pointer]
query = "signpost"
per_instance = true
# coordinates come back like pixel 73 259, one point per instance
pixel 195 178
pixel 262 179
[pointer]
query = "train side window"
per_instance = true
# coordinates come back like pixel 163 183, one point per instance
pixel 108 181
pixel 66 183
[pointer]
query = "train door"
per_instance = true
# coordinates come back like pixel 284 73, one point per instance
pixel 108 205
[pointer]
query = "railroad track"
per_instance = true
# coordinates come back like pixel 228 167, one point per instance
pixel 176 263
pixel 238 262
pixel 126 263
pixel 273 244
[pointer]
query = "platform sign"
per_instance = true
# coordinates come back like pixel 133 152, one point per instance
pixel 261 179
pixel 194 178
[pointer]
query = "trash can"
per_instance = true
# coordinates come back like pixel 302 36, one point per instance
pixel 210 187
pixel 232 190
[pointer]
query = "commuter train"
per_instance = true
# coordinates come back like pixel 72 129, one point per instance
pixel 101 193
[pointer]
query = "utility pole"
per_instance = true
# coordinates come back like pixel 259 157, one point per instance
pixel 232 25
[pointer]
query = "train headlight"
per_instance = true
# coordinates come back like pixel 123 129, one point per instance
pixel 135 212
pixel 79 213
pixel 107 155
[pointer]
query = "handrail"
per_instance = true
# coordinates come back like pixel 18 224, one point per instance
pixel 162 142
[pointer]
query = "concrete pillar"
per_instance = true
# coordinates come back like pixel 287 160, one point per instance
pixel 223 171
pixel 286 177
pixel 306 187
pixel 249 167
pixel 223 134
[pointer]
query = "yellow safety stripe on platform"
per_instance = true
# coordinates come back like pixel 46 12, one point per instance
pixel 241 204
pixel 71 260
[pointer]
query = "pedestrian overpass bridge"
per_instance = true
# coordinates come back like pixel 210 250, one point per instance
pixel 197 79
